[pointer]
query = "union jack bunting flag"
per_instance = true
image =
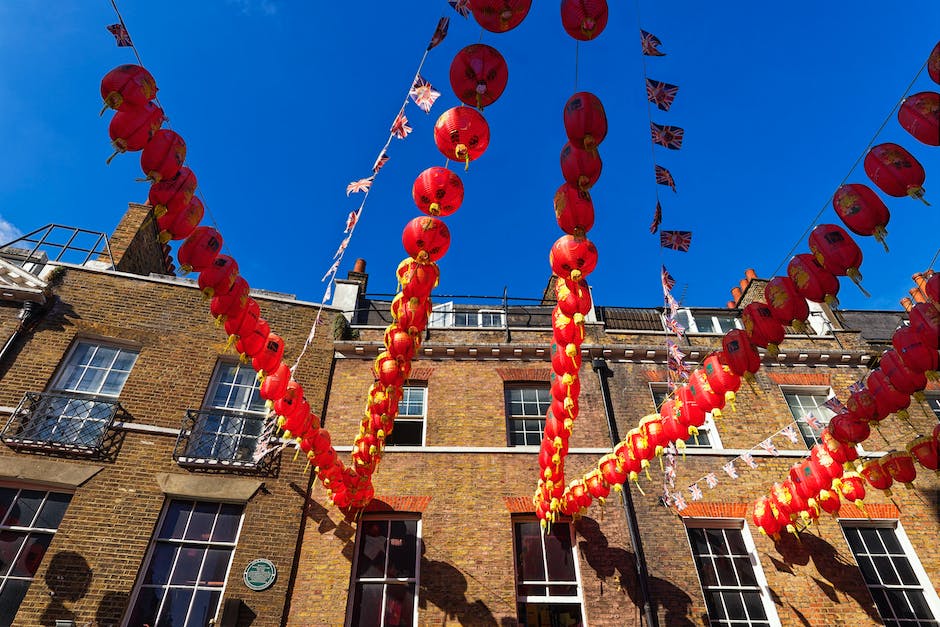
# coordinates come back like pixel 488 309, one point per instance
pixel 748 459
pixel 351 221
pixel 423 94
pixel 328 293
pixel 661 94
pixel 790 433
pixel 342 248
pixel 380 162
pixel 460 6
pixel 657 218
pixel 673 349
pixel 673 304
pixel 856 387
pixel 696 492
pixel 440 32
pixel 835 405
pixel 400 126
pixel 650 44
pixel 332 271
pixel 676 240
pixel 362 185
pixel 668 281
pixel 664 177
pixel 730 469
pixel 813 421
pixel 121 36
pixel 679 501
pixel 667 136
pixel 768 446
pixel 711 480
pixel 674 327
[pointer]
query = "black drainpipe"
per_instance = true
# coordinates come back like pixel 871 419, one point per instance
pixel 603 373
pixel 28 315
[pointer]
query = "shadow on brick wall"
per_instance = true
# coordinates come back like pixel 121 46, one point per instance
pixel 68 578
pixel 111 609
pixel 619 565
pixel 838 573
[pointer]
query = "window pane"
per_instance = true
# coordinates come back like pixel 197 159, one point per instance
pixel 53 510
pixel 903 567
pixel 25 508
pixel 145 609
pixel 6 500
pixel 549 615
pixel 216 564
pixel 899 603
pixel 372 548
pixel 716 542
pixel 226 526
pixel 175 607
pixel 884 568
pixel 558 553
pixel 406 433
pixel 201 521
pixel 745 572
pixel 699 544
pixel 399 605
pixel 10 598
pixel 716 607
pixel 158 572
pixel 402 548
pixel 754 605
pixel 529 565
pixel 734 605
pixel 367 608
pixel 187 567
pixel 10 544
pixel 174 523
pixel 204 608
pixel 725 571
pixel 889 539
pixel 31 555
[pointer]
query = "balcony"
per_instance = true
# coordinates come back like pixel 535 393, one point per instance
pixel 215 438
pixel 63 423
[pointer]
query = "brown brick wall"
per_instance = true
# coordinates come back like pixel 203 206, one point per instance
pixel 134 245
pixel 110 521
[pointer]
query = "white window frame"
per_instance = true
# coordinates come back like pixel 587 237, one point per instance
pixel 413 418
pixel 710 428
pixel 933 403
pixel 762 586
pixel 155 540
pixel 512 419
pixel 549 599
pixel 926 586
pixel 814 391
pixel 444 315
pixel 28 530
pixel 686 318
pixel 59 382
pixel 385 581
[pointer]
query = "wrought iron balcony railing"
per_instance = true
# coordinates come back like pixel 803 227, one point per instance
pixel 62 422
pixel 218 437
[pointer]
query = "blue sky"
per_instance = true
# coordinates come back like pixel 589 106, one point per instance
pixel 283 103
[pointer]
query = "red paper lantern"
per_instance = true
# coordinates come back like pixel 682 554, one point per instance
pixel 163 155
pixel 574 210
pixel 581 168
pixel 888 399
pixel 841 452
pixel 900 465
pixel 573 257
pixel 199 250
pixel 852 488
pixel 499 16
pixel 253 343
pixel 917 351
pixel 651 427
pixel 825 464
pixel 806 480
pixel 565 385
pixel 919 115
pixel 613 473
pixel 172 196
pixel 461 134
pixel 584 19
pixel 596 485
pixel 289 404
pixel 411 313
pixel 862 405
pixel 236 298
pixel 780 507
pixel 703 393
pixel 932 289
pixel 763 517
pixel 785 303
pixel 895 171
pixel 270 355
pixel 933 64
pixel 740 353
pixel 478 75
pixel 127 86
pixel 904 379
pixel 565 329
pixel 836 251
pixel 876 476
pixel 245 320
pixel 628 461
pixel 302 424
pixel 640 446
pixel 438 191
pixel 566 359
pixel 674 429
pixel 720 377
pixel 574 297
pixel 585 121
pixel 274 385
pixel 925 450
pixel 417 279
pixel 219 277
pixel 812 281
pixel 688 411
pixel 829 501
pixel 860 209
pixel 400 344
pixel 426 239
pixel 174 226
pixel 849 430
pixel 761 327
pixel 131 129
pixel 390 371
pixel 925 319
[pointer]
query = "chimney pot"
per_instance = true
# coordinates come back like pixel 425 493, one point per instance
pixel 360 266
pixel 730 304
pixel 736 293
pixel 907 304
pixel 744 283
pixel 750 274
pixel 917 295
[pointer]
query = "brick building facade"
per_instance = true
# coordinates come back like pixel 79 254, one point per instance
pixel 466 475
pixel 108 514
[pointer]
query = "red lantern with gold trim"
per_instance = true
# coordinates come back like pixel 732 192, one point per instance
pixel 251 344
pixel 199 250
pixel 812 281
pixel 933 64
pixel 806 479
pixel 224 304
pixel 175 226
pixel 825 463
pixel 932 289
pixel 860 209
pixel 688 411
pixel 925 450
pixel 274 385
pixel 720 377
pixel 131 129
pixel 438 191
pixel 581 168
pixel 426 239
pixel 904 380
pixel 565 385
pixel 400 344
pixel 763 517
pixel 219 277
pixel 895 171
pixel 597 486
pixel 574 210
pixel 651 426
pixel 613 473
pixel 499 16
pixel 567 330
pixel 706 397
pixel 762 328
pixel 417 279
pixel 925 319
pixel 573 257
pixel 574 297
pixel 245 320
pixel 411 313
pixel 566 359
pixel 841 452
pixel 849 430
pixel 270 355
pixel 919 115
pixel 585 121
pixel 389 371
pixel 888 399
pixel 852 488
pixel 876 476
pixel 172 196
pixel 786 304
pixel 740 354
pixel 829 501
pixel 674 429
pixel 478 75
pixel 462 134
pixel 900 465
pixel 584 19
pixel 127 86
pixel 836 251
pixel 163 155
pixel 915 350
pixel 863 406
